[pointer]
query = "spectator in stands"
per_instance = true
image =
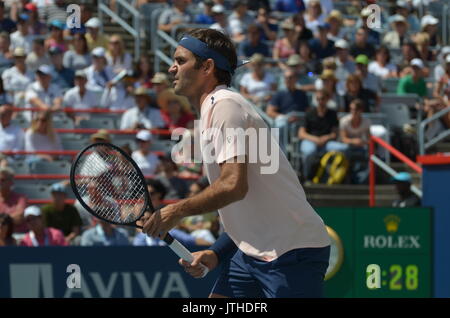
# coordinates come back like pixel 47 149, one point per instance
pixel 314 15
pixel 442 87
pixel 285 46
pixel 80 97
pixel 253 43
pixel 369 80
pixel 289 6
pixel 326 5
pixel 413 83
pixel 99 74
pixel 382 66
pixel 335 21
pixel 361 45
pixel 373 37
pixel 39 234
pixel 422 41
pixel 175 15
pixel 221 19
pixel 143 71
pixel 38 56
pixel 36 26
pixel 431 107
pixel 395 38
pixel 94 37
pixel 42 93
pixel 22 38
pixel 56 37
pixel 328 82
pixel 61 215
pixel 147 161
pixel 6 57
pixel 6 230
pixel 284 103
pixel 61 75
pixel 177 113
pixel 78 57
pixel 177 188
pixel 104 234
pixel 429 25
pixel 355 90
pixel 160 82
pixel 207 16
pixel 11 135
pixel 307 58
pixel 158 192
pixel 42 137
pixel 258 85
pixel 17 78
pixel 116 56
pixel 409 52
pixel 355 129
pixel 267 27
pixel 5 98
pixel 11 202
pixel 439 69
pixel 303 33
pixel 239 21
pixel 6 24
pixel 407 197
pixel 198 186
pixel 403 8
pixel 319 132
pixel 344 64
pixel 144 115
pixel 320 45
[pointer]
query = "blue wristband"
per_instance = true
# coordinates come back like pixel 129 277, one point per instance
pixel 223 246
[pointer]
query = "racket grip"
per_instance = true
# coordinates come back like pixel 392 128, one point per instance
pixel 184 253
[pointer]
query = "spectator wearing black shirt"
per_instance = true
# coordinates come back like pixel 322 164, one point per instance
pixel 6 24
pixel 354 90
pixel 176 187
pixel 62 76
pixel 361 45
pixel 304 34
pixel 321 46
pixel 268 29
pixel 253 43
pixel 319 133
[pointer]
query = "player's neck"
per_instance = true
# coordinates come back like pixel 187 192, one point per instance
pixel 209 87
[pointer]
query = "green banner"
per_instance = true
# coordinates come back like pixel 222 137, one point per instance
pixel 379 252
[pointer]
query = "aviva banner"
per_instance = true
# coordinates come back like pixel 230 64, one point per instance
pixel 380 252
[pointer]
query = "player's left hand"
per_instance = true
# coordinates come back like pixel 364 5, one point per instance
pixel 157 224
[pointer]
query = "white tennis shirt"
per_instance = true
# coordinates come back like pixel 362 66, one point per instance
pixel 274 217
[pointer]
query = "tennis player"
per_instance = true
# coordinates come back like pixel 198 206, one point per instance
pixel 274 244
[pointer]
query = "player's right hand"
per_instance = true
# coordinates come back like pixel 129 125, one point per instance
pixel 207 257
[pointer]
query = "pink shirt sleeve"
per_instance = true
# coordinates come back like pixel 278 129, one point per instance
pixel 57 238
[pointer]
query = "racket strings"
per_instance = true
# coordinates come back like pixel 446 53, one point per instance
pixel 110 185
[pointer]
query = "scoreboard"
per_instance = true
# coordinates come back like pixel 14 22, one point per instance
pixel 379 252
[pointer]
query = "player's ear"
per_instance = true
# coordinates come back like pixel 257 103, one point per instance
pixel 208 66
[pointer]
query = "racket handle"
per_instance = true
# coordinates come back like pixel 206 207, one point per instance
pixel 184 253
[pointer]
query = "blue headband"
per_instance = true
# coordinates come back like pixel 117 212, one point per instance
pixel 201 49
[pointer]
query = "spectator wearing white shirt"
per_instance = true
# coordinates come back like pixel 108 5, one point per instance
pixel 80 97
pixel 42 137
pixel 79 57
pixel 239 21
pixel 382 66
pixel 175 15
pixel 6 57
pixel 11 135
pixel 42 93
pixel 345 65
pixel 258 85
pixel 146 161
pixel 99 74
pixel 326 5
pixel 38 56
pixel 143 115
pixel 17 78
pixel 314 15
pixel 22 38
pixel 221 24
pixel 116 56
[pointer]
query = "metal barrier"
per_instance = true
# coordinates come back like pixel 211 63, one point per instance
pixel 134 30
pixel 423 146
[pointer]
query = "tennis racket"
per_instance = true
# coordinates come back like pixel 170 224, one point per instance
pixel 111 187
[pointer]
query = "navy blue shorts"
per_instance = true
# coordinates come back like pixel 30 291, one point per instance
pixel 297 273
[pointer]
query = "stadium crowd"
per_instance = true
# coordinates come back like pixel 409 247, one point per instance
pixel 317 68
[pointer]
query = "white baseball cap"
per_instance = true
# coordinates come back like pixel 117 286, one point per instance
pixel 447 59
pixel 144 135
pixel 397 18
pixel 428 20
pixel 341 44
pixel 218 8
pixel 44 69
pixel 94 23
pixel 32 210
pixel 98 52
pixel 417 62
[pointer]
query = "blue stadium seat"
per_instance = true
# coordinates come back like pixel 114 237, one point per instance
pixel 100 123
pixel 19 166
pixel 51 167
pixel 396 114
pixel 33 191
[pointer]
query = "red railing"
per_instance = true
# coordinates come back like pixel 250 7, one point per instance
pixel 394 152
